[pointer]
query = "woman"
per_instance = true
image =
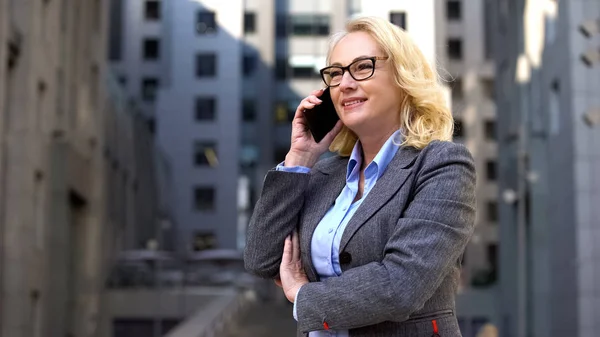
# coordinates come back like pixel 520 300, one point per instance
pixel 369 242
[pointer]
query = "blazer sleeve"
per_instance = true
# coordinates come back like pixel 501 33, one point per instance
pixel 275 216
pixel 427 242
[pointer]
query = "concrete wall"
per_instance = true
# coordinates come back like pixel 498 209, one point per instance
pixel 68 172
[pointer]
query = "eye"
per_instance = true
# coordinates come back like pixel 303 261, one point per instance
pixel 335 73
pixel 365 65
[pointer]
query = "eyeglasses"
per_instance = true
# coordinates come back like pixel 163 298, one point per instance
pixel 360 70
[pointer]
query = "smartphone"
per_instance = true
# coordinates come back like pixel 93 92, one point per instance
pixel 322 118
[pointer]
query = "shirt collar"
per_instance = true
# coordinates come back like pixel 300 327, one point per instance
pixel 381 160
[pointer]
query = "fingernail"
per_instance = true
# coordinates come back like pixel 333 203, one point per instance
pixel 320 101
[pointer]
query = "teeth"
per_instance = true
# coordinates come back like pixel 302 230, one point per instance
pixel 353 102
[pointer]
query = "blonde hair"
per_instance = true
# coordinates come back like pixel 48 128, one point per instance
pixel 424 113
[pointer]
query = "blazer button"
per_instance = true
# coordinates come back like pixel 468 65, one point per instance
pixel 345 258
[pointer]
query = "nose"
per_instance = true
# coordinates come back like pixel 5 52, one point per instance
pixel 347 83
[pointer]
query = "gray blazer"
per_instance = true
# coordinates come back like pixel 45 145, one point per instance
pixel 400 254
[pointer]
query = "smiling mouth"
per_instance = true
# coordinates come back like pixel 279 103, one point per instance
pixel 354 102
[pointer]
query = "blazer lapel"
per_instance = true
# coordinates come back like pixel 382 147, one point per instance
pixel 327 186
pixel 386 186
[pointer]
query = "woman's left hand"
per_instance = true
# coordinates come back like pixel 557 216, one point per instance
pixel 291 273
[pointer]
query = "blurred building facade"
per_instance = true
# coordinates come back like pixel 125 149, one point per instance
pixel 549 73
pixel 464 38
pixel 231 76
pixel 74 188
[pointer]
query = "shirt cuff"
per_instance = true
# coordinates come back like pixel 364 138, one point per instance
pixel 295 301
pixel 293 169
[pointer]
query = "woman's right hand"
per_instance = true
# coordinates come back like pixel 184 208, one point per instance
pixel 304 151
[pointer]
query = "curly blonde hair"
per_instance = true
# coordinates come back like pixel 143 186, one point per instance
pixel 424 112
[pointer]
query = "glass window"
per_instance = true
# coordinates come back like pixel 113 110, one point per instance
pixel 205 108
pixel 152 10
pixel 206 65
pixel 249 22
pixel 149 88
pixel 399 19
pixel 492 211
pixel 203 240
pixel 455 49
pixel 249 62
pixel 151 49
pixel 204 198
pixel 206 22
pixel 249 110
pixel 453 10
pixel 490 130
pixel 310 24
pixel 205 153
pixel 490 168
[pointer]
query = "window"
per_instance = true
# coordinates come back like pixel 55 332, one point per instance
pixel 249 22
pixel 204 198
pixel 249 155
pixel 249 64
pixel 249 110
pixel 284 112
pixel 205 153
pixel 457 89
pixel 453 9
pixel 492 211
pixel 455 49
pixel 399 19
pixel 490 169
pixel 488 88
pixel 151 49
pixel 203 241
pixel 305 72
pixel 458 128
pixel 206 65
pixel 490 130
pixel 205 22
pixel 206 108
pixel 149 88
pixel 310 24
pixel 152 10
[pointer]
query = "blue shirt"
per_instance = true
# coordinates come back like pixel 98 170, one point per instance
pixel 328 234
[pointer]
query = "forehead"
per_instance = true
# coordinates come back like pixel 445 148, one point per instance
pixel 354 45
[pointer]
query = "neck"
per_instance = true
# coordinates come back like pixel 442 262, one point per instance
pixel 371 144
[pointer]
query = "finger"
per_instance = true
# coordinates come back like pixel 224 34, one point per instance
pixel 295 246
pixel 287 250
pixel 318 92
pixel 313 99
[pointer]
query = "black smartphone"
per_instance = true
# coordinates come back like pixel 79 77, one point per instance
pixel 322 118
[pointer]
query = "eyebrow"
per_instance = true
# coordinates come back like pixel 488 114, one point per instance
pixel 356 58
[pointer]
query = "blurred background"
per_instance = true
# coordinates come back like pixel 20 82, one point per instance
pixel 135 135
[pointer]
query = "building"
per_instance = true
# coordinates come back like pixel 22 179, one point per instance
pixel 71 189
pixel 549 167
pixel 230 77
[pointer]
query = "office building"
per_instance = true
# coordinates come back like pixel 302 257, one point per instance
pixel 548 75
